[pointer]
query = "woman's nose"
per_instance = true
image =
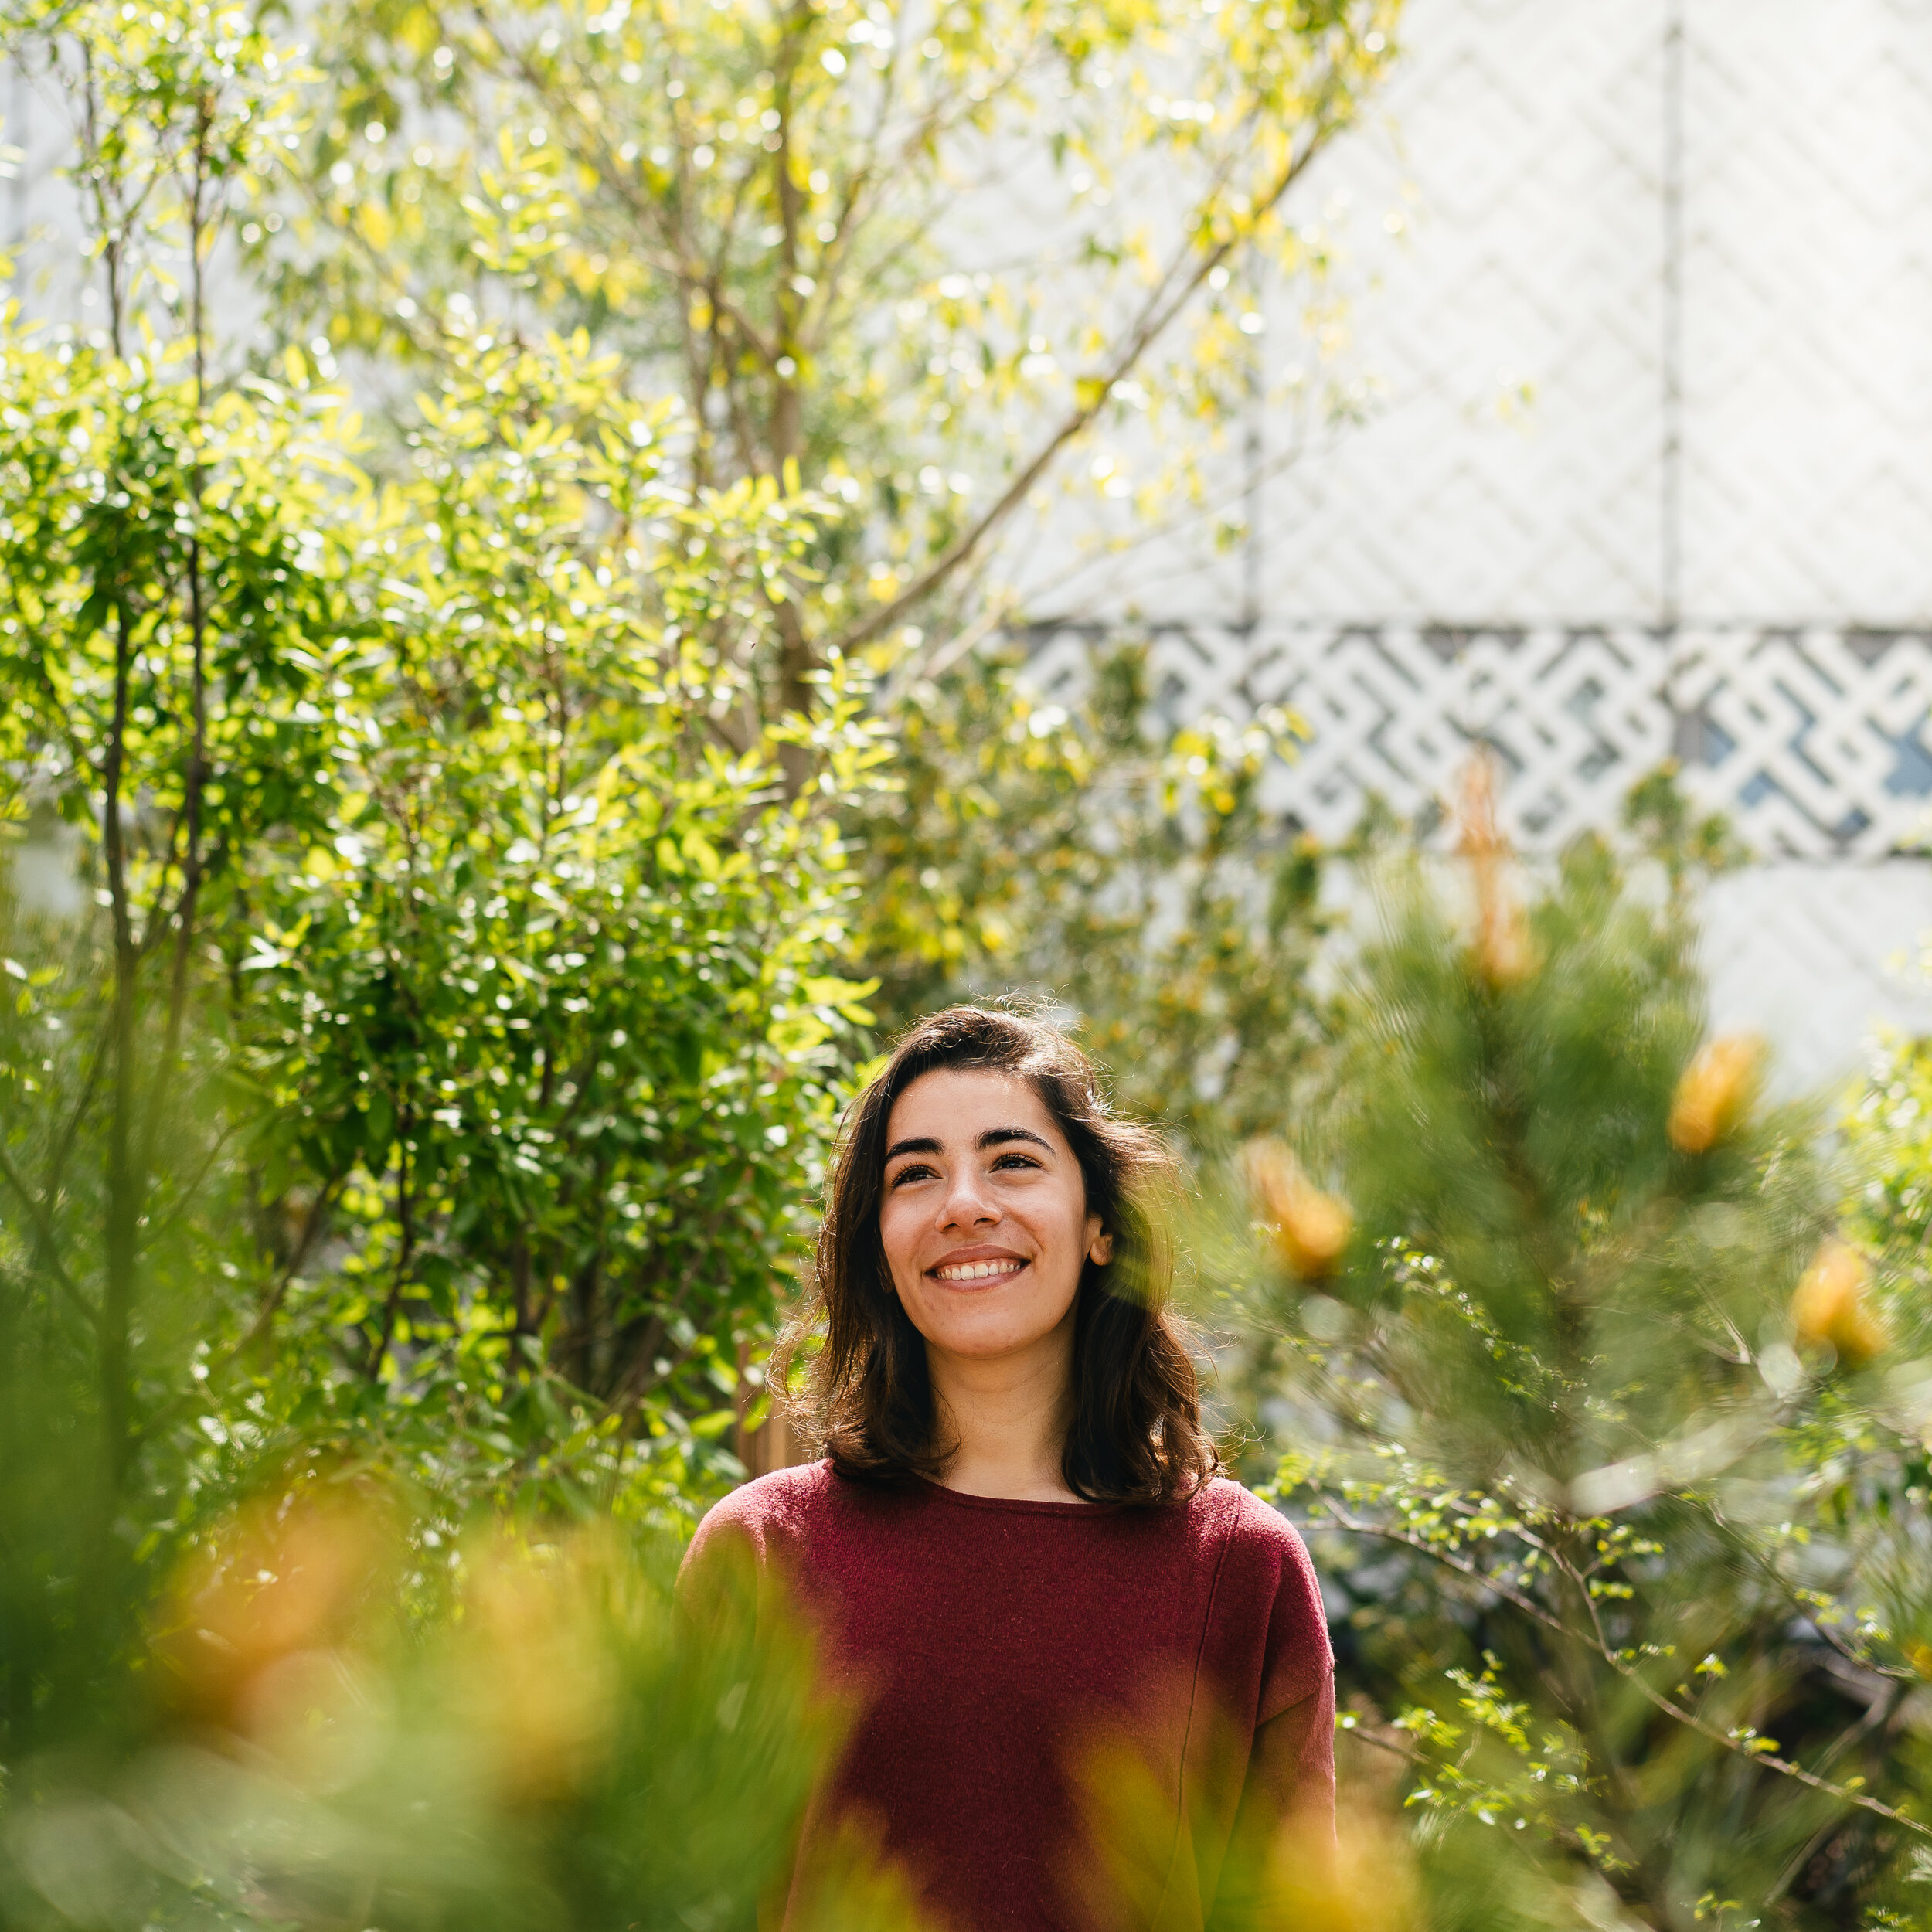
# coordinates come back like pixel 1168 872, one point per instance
pixel 967 1203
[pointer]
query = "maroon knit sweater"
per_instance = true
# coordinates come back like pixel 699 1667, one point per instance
pixel 1063 1710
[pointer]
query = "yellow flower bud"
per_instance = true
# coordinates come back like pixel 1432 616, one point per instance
pixel 1361 1881
pixel 536 1676
pixel 1311 1229
pixel 1715 1091
pixel 1831 1304
pixel 1505 952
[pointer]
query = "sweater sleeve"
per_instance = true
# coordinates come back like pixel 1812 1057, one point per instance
pixel 1291 1768
pixel 1297 1662
pixel 1291 1764
pixel 1285 1798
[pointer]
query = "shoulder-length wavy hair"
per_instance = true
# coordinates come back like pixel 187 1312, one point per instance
pixel 1135 1434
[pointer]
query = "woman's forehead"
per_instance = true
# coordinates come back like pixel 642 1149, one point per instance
pixel 956 1104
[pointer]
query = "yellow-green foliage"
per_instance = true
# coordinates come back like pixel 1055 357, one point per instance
pixel 920 249
pixel 422 924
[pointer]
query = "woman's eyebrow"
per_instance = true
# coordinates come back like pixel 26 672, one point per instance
pixel 998 1136
pixel 926 1146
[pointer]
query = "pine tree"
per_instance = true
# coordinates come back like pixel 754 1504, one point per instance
pixel 1553 1334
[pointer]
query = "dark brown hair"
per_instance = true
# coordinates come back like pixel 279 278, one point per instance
pixel 1135 1434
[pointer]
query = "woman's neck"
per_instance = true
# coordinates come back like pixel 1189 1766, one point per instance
pixel 1008 1417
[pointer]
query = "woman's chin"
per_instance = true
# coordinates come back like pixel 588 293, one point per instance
pixel 990 1334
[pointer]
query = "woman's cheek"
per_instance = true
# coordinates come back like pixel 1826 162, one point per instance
pixel 893 1239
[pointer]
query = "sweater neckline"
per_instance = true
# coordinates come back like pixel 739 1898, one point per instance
pixel 1021 1505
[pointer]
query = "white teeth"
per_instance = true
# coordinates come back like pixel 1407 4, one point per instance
pixel 976 1270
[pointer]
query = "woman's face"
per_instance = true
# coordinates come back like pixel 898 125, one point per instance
pixel 984 1218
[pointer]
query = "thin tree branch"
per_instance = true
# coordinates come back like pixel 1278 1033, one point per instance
pixel 57 1155
pixel 188 826
pixel 1770 1572
pixel 1170 295
pixel 404 1251
pixel 271 1304
pixel 188 1192
pixel 318 1211
pixel 1597 1640
pixel 1463 1566
pixel 1670 1706
pixel 44 1234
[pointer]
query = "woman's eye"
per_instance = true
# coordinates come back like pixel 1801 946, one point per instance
pixel 913 1173
pixel 1014 1159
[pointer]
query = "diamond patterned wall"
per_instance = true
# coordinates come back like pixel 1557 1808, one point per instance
pixel 1467 565
pixel 1813 739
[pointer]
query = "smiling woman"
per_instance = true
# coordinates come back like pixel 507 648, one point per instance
pixel 993 1269
pixel 1091 1679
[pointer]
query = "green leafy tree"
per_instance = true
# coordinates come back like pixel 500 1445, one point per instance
pixel 421 1020
pixel 551 1000
pixel 161 719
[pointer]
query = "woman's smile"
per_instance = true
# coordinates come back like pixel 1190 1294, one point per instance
pixel 974 1267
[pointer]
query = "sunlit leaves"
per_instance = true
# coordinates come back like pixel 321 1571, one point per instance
pixel 183 113
pixel 803 220
pixel 559 992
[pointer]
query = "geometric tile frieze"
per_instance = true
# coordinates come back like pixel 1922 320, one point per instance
pixel 1816 741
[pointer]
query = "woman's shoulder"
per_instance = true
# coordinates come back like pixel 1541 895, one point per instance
pixel 1266 1588
pixel 759 1530
pixel 1254 1530
pixel 778 1506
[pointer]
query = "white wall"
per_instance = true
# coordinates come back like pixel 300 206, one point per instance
pixel 1524 149
pixel 1822 959
pixel 1486 557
